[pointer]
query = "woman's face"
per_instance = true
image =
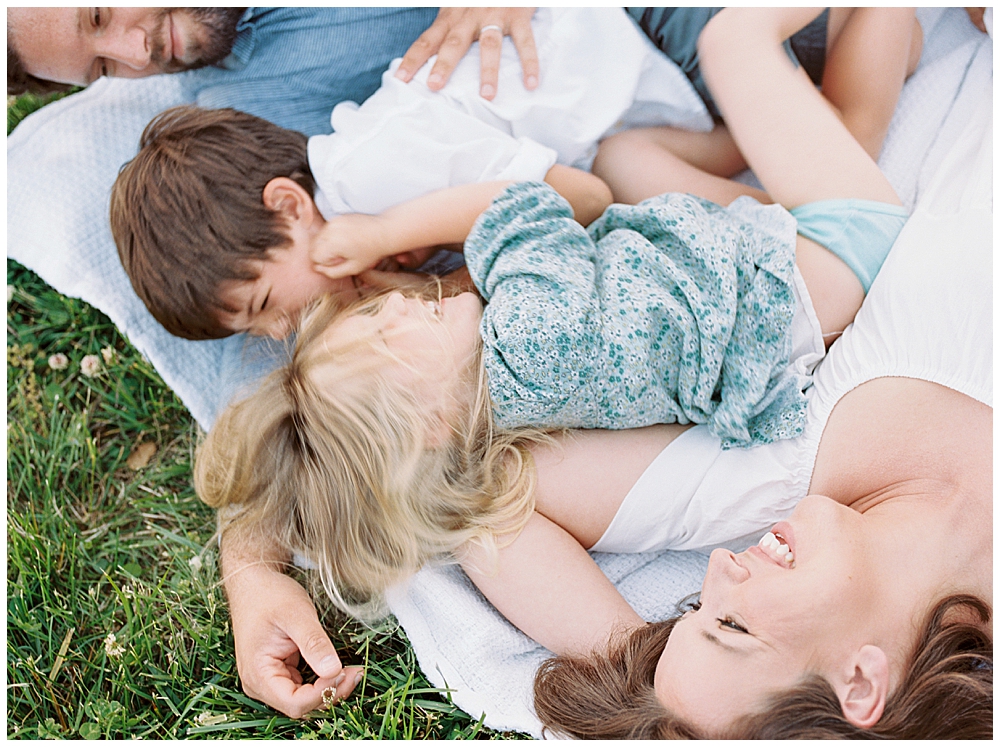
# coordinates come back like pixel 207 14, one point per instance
pixel 429 345
pixel 771 616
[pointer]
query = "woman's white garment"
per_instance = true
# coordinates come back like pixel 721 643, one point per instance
pixel 599 74
pixel 927 316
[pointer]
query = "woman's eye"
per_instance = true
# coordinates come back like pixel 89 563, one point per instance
pixel 728 622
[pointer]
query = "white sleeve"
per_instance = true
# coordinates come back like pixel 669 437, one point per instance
pixel 406 141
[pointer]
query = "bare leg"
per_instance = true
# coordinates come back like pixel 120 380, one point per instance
pixel 641 163
pixel 797 146
pixel 870 55
pixel 871 52
pixel 714 152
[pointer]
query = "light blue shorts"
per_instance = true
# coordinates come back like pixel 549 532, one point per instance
pixel 860 232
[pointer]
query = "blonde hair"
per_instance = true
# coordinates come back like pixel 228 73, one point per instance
pixel 342 472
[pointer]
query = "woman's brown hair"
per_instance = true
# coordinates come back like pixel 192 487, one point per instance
pixel 946 693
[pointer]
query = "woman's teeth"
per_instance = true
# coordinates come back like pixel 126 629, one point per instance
pixel 434 306
pixel 771 542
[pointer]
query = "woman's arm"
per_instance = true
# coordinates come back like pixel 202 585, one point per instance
pixel 545 582
pixel 548 586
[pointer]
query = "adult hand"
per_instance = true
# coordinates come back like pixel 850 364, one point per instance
pixel 274 625
pixel 453 32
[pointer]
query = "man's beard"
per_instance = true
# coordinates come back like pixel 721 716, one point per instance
pixel 220 24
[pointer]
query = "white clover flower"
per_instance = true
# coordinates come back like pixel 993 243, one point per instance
pixel 10 292
pixel 112 647
pixel 58 362
pixel 90 365
pixel 108 354
pixel 210 719
pixel 329 697
pixel 195 563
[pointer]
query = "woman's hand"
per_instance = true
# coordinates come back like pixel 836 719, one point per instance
pixel 274 626
pixel 453 32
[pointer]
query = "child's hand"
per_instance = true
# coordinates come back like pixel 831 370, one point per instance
pixel 349 244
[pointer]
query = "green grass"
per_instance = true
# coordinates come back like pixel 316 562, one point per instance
pixel 97 548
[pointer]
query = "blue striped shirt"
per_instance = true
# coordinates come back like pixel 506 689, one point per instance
pixel 293 65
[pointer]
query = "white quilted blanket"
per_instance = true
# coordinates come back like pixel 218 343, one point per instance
pixel 61 162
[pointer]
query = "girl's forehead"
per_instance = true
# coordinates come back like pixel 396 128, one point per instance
pixel 350 327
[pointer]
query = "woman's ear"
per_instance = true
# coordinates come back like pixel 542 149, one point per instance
pixel 287 197
pixel 865 687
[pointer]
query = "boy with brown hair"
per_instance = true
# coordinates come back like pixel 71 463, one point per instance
pixel 216 222
pixel 218 217
pixel 188 218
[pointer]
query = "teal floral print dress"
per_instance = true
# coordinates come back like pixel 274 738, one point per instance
pixel 675 310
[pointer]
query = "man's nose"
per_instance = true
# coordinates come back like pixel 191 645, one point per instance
pixel 128 46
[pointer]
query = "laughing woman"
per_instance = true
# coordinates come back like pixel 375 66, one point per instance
pixel 867 613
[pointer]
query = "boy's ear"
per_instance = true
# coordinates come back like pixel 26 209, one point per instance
pixel 287 197
pixel 865 687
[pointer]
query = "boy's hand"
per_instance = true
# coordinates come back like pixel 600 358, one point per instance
pixel 274 625
pixel 349 244
pixel 453 32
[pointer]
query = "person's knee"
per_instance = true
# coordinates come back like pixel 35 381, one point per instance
pixel 615 153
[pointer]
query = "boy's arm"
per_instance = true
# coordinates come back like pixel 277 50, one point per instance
pixel 350 244
pixel 274 625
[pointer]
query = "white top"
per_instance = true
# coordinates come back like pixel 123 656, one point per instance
pixel 927 316
pixel 599 74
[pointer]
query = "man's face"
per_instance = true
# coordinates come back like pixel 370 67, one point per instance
pixel 79 45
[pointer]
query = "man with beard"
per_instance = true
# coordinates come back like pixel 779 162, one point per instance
pixel 308 58
pixel 290 66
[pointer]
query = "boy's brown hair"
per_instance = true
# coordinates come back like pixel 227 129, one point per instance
pixel 187 213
